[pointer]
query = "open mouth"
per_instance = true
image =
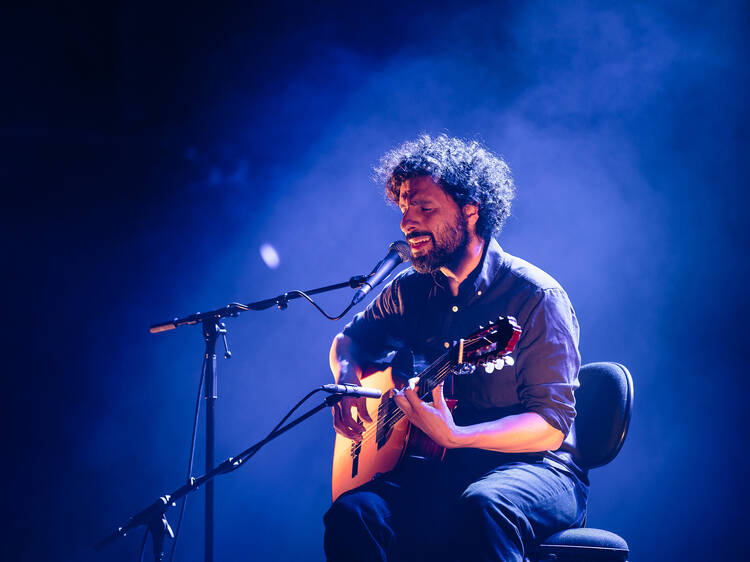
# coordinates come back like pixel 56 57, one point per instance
pixel 419 242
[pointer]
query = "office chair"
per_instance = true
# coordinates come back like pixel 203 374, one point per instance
pixel 604 403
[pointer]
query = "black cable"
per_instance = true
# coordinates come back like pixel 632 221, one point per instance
pixel 143 545
pixel 282 302
pixel 323 312
pixel 191 456
pixel 278 425
pixel 297 405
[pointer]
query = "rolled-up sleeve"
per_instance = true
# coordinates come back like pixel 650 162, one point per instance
pixel 548 359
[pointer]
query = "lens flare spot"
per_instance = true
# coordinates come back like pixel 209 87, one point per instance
pixel 270 256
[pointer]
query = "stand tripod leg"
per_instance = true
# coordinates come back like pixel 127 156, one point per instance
pixel 159 526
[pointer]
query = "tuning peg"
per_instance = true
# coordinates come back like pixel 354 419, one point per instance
pixel 489 367
pixel 509 361
pixel 499 363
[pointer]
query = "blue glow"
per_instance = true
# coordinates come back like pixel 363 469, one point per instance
pixel 163 150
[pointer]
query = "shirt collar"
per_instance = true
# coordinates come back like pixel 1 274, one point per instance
pixel 482 277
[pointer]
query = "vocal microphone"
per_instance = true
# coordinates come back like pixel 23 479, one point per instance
pixel 398 252
pixel 352 390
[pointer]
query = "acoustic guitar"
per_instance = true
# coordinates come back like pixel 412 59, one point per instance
pixel 390 436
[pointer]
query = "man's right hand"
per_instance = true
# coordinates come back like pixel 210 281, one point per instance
pixel 343 421
pixel 346 371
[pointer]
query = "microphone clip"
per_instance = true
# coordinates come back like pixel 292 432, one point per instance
pixel 358 280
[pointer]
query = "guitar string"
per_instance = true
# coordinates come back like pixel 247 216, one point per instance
pixel 434 367
pixel 397 412
pixel 373 427
pixel 442 371
pixel 389 422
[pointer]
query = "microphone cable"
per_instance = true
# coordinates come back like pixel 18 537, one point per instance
pixel 191 456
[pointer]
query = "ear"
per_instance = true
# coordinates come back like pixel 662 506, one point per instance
pixel 471 214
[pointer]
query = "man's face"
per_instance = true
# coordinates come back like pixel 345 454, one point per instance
pixel 433 225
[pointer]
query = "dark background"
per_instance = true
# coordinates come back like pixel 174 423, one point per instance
pixel 148 151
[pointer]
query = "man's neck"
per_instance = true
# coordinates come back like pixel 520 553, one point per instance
pixel 468 263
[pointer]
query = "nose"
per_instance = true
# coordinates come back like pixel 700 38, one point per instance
pixel 408 222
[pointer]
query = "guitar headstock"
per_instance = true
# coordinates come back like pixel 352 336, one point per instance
pixel 490 345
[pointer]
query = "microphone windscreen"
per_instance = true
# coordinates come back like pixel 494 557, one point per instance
pixel 402 248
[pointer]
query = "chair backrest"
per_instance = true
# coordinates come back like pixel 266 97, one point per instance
pixel 604 403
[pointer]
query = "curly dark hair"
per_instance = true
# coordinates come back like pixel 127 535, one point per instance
pixel 467 171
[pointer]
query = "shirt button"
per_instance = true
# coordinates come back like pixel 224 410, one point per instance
pixel 447 345
pixel 479 293
pixel 455 308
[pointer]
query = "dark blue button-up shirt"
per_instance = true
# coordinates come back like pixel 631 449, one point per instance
pixel 418 312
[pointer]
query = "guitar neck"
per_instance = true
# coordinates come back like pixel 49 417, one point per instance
pixel 433 375
pixel 429 378
pixel 487 340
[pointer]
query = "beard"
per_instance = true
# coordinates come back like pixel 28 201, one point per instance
pixel 449 244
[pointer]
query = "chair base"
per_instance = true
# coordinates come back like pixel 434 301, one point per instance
pixel 581 545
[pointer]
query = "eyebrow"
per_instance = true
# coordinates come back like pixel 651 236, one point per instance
pixel 418 200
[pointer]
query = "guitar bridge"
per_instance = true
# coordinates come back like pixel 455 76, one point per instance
pixel 355 452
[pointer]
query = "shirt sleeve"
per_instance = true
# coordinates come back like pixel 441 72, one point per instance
pixel 375 329
pixel 548 360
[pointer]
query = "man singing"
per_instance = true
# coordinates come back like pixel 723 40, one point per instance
pixel 507 478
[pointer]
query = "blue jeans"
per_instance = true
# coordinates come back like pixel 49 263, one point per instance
pixel 465 508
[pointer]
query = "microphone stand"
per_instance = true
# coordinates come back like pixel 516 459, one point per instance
pixel 154 516
pixel 234 309
pixel 212 329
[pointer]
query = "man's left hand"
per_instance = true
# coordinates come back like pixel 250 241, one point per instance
pixel 434 419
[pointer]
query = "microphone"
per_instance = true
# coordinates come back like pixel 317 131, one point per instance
pixel 398 252
pixel 351 390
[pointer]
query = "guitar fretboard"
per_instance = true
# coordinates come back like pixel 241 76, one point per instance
pixel 432 376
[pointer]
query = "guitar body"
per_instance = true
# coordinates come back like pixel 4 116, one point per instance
pixel 385 440
pixel 390 436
